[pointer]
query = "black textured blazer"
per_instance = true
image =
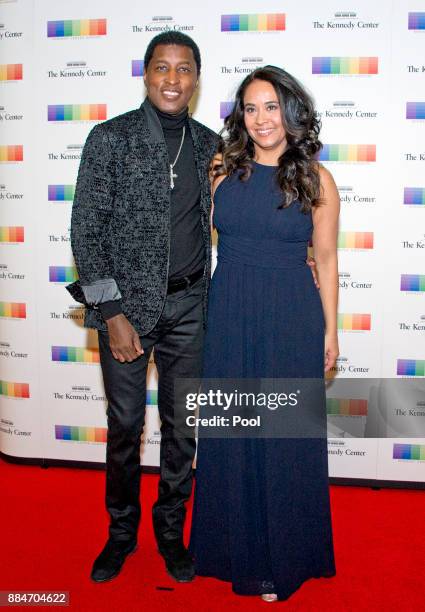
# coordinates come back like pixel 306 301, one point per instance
pixel 120 229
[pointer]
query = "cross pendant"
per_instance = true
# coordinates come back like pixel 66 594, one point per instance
pixel 172 177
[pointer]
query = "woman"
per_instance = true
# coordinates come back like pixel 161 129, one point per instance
pixel 261 517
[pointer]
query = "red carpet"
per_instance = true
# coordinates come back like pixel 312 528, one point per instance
pixel 54 524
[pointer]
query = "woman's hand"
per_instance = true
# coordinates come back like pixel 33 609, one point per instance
pixel 311 262
pixel 331 351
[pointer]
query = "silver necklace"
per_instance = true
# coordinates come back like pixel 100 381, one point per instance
pixel 172 174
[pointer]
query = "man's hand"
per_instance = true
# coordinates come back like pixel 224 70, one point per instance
pixel 124 341
pixel 312 263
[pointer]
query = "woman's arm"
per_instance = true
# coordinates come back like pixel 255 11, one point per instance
pixel 325 236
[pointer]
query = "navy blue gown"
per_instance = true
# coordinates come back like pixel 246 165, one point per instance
pixel 261 516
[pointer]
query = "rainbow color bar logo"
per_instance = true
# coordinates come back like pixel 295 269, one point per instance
pixel 225 109
pixel 61 193
pixel 75 354
pixel 412 452
pixel 12 234
pixel 11 153
pixel 62 274
pixel 346 407
pixel 412 282
pixel 76 112
pixel 344 65
pixel 137 68
pixel 414 196
pixel 76 433
pixel 13 310
pixel 12 389
pixel 151 397
pixel 416 21
pixel 76 27
pixel 10 72
pixel 354 322
pixel 415 110
pixel 355 240
pixel 411 367
pixel 348 153
pixel 266 22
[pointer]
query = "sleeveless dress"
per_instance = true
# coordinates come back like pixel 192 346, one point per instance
pixel 261 515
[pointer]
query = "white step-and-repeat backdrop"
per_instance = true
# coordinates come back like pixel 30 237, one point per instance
pixel 66 65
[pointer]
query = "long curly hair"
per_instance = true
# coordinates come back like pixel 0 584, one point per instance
pixel 297 173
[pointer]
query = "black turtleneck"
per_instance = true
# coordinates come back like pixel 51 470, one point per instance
pixel 172 122
pixel 187 252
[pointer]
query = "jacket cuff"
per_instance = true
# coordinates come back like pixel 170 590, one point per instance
pixel 110 309
pixel 101 291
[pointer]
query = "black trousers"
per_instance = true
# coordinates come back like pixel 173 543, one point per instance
pixel 177 341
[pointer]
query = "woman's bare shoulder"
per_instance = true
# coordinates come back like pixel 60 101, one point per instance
pixel 329 196
pixel 325 176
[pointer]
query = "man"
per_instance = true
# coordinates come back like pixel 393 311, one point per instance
pixel 141 241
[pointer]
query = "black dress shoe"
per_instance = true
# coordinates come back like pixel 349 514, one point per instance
pixel 110 561
pixel 178 560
